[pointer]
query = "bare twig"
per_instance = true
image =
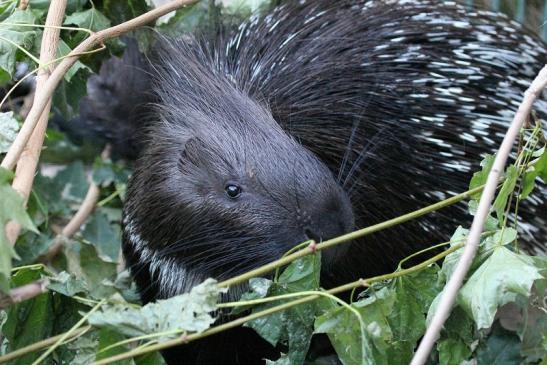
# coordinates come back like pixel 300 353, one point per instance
pixel 41 345
pixel 24 292
pixel 453 286
pixel 28 160
pixel 23 4
pixel 44 93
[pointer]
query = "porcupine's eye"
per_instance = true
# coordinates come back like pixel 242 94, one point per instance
pixel 232 190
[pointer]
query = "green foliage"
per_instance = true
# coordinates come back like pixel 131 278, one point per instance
pixel 13 37
pixel 502 277
pixel 8 130
pixel 189 312
pixel 11 209
pixel 294 326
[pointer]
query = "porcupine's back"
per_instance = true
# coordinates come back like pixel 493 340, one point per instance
pixel 418 90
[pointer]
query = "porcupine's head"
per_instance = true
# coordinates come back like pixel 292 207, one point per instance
pixel 220 188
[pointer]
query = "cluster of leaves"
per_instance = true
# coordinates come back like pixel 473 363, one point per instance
pixel 499 317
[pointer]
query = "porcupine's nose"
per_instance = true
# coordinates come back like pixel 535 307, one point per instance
pixel 327 220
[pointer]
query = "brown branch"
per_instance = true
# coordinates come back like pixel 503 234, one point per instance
pixel 24 292
pixel 452 287
pixel 28 160
pixel 23 4
pixel 43 95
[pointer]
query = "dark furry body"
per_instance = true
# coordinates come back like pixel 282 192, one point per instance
pixel 397 102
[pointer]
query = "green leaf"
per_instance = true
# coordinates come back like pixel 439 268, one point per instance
pixel 73 182
pixel 72 5
pixel 8 130
pixel 528 183
pixel 122 10
pixel 109 337
pixel 88 19
pixel 105 172
pixel 417 291
pixel 459 326
pixel 258 288
pixel 62 50
pixel 498 281
pixel 511 175
pixel 345 332
pixel 104 236
pixel 479 178
pixel 186 312
pixel 453 351
pixel 29 321
pixel 294 325
pixel 527 318
pixel 14 36
pixel 84 262
pixel 11 209
pixel 68 95
pixel 185 20
pixel 67 284
pixel 30 246
pixel 541 166
pixel 451 260
pixel 491 223
pixel 84 349
pixel 152 358
pixel 501 348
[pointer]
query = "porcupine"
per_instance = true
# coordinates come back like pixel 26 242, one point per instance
pixel 313 120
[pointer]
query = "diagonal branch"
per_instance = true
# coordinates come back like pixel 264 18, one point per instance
pixel 28 160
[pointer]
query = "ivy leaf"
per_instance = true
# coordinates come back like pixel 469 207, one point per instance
pixel 185 20
pixel 538 169
pixel 71 6
pixel 541 166
pixel 83 349
pixel 106 172
pixel 62 50
pixel 11 209
pixel 122 10
pixel 453 351
pixel 29 321
pixel 73 182
pixel 68 94
pixel 294 325
pixel 186 312
pixel 104 236
pixel 491 223
pixel 88 19
pixel 498 281
pixel 67 284
pixel 511 175
pixel 501 348
pixel 417 291
pixel 108 337
pixel 479 178
pixel 8 130
pixel 14 36
pixel 84 262
pixel 345 333
pixel 258 288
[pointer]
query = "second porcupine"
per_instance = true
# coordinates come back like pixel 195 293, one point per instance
pixel 316 119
